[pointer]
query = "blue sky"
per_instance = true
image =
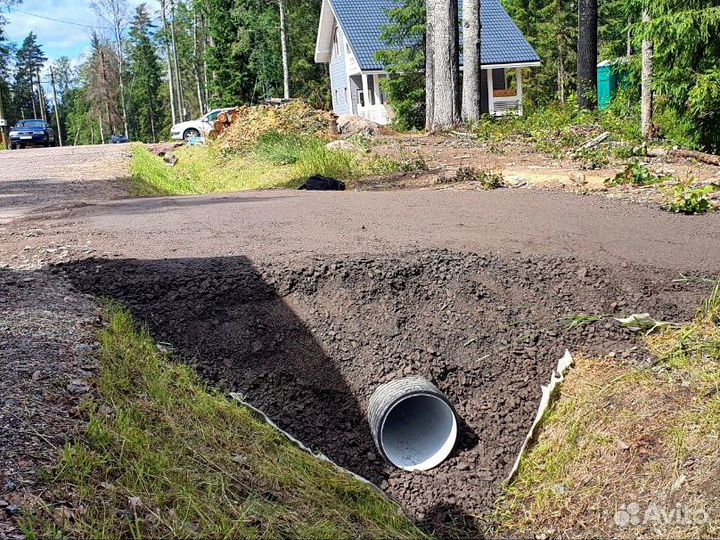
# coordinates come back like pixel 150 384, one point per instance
pixel 58 39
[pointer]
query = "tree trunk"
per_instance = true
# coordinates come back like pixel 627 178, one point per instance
pixel 122 87
pixel 56 107
pixel 32 96
pixel 168 56
pixel 446 64
pixel 176 63
pixel 587 54
pixel 284 47
pixel 429 70
pixel 102 133
pixel 111 127
pixel 472 91
pixel 646 111
pixel 196 65
pixel 3 129
pixel 41 98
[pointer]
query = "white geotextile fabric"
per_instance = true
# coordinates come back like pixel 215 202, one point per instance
pixel 556 378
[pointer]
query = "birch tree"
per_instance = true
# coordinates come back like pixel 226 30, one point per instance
pixel 646 107
pixel 443 57
pixel 284 50
pixel 168 61
pixel 472 61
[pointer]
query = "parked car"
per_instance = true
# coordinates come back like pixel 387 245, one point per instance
pixel 31 132
pixel 196 128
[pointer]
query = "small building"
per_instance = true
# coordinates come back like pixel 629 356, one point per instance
pixel 611 77
pixel 349 37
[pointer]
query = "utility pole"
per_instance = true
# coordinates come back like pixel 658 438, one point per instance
pixel 41 97
pixel 4 138
pixel 32 95
pixel 58 133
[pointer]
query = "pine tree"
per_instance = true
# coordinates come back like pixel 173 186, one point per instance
pixel 146 80
pixel 102 87
pixel 404 60
pixel 227 57
pixel 687 65
pixel 28 61
pixel 551 28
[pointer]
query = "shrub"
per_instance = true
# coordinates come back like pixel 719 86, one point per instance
pixel 636 174
pixel 488 180
pixel 686 199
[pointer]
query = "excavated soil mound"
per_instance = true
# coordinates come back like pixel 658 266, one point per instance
pixel 309 344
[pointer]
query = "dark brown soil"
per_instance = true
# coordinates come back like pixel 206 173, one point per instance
pixel 309 343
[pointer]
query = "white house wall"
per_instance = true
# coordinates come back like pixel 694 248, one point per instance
pixel 339 78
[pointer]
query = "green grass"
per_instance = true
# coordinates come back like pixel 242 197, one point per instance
pixel 619 434
pixel 164 457
pixel 277 161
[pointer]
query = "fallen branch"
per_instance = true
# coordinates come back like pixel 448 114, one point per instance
pixel 592 143
pixel 709 159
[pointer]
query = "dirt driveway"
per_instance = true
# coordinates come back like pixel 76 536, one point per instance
pixel 212 273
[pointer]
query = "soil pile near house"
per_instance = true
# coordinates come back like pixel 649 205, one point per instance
pixel 309 344
pixel 247 124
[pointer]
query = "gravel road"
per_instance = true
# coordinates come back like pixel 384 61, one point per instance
pixel 69 205
pixel 37 178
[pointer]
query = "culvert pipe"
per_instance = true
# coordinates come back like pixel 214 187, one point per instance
pixel 414 425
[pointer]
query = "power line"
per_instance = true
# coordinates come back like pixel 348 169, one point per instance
pixel 55 20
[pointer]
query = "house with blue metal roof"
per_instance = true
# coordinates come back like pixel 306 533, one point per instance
pixel 349 36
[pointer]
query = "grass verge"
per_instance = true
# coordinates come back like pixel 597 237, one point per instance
pixel 277 161
pixel 628 452
pixel 164 457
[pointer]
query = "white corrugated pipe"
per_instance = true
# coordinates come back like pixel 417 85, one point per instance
pixel 413 424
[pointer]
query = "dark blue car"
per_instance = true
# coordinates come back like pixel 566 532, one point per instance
pixel 31 132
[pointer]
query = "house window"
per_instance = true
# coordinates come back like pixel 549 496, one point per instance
pixel 361 98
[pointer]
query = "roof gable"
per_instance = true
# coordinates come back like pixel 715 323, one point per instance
pixel 363 21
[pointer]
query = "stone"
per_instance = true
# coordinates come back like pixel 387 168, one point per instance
pixel 349 124
pixel 78 387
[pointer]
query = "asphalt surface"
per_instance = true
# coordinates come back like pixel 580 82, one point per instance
pixel 266 225
pixel 70 195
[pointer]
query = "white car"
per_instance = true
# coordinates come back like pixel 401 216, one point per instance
pixel 196 128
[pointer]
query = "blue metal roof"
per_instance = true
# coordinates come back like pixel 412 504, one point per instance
pixel 363 22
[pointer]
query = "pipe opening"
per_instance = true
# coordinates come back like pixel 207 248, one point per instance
pixel 419 432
